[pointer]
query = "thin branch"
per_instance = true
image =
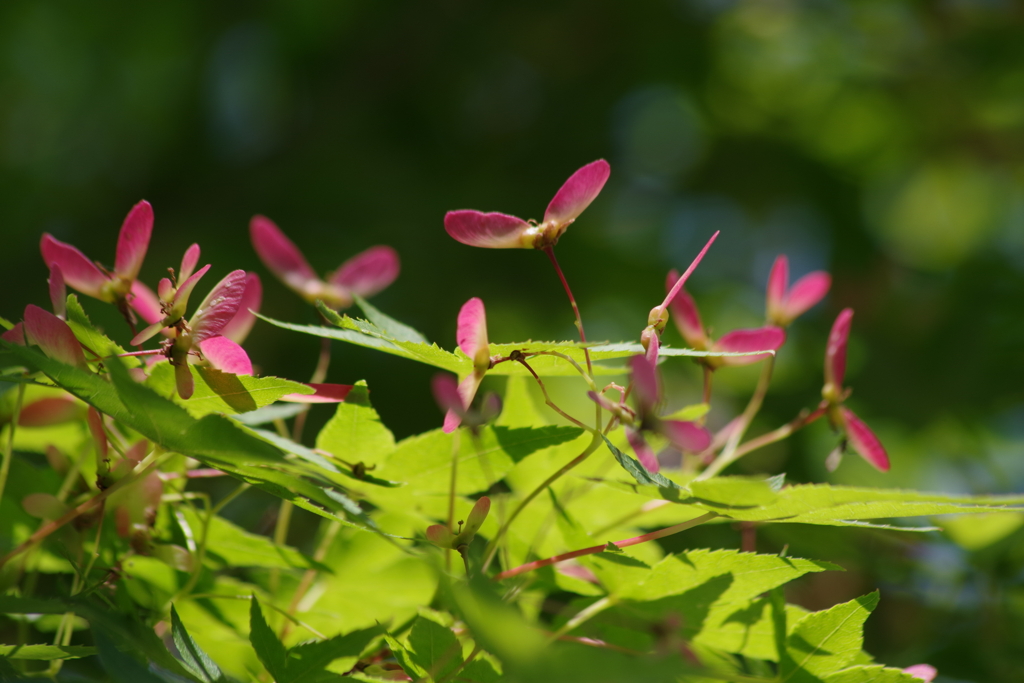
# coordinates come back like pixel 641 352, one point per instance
pixel 550 251
pixel 547 398
pixel 143 468
pixel 492 547
pixel 592 550
pixel 729 453
pixel 5 466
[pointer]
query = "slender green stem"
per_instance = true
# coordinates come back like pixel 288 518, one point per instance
pixel 227 499
pixel 590 380
pixel 642 510
pixel 264 603
pixel 309 575
pixel 455 672
pixel 141 470
pixel 584 615
pixel 552 404
pixel 281 528
pixel 550 251
pixel 5 466
pixel 319 375
pixel 729 452
pixel 805 418
pixel 492 547
pixel 636 540
pixel 453 483
pixel 96 547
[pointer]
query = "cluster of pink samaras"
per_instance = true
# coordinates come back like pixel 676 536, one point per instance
pixel 214 332
pixel 784 304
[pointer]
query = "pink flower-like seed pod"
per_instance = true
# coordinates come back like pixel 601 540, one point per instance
pixel 785 303
pixel 363 275
pixel 471 336
pixel 688 322
pixel 86 277
pixel 683 435
pixel 501 231
pixel 650 338
pixel 857 433
pixel 174 302
pixel 204 331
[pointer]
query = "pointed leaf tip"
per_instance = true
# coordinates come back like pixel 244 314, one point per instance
pixel 368 272
pixel 577 193
pixel 133 241
pixel 489 230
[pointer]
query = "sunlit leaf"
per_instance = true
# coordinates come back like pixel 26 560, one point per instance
pixel 823 642
pixel 46 652
pixel 194 657
pixel 222 392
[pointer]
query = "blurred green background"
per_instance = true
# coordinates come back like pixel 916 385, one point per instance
pixel 883 141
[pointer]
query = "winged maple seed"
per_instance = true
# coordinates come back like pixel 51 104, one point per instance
pixel 89 278
pixel 440 535
pixel 472 339
pixel 202 335
pixel 857 434
pixel 688 322
pixel 363 275
pixel 501 231
pixel 785 303
pixel 684 435
pixel 650 338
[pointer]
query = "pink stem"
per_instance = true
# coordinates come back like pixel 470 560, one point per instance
pixel 636 540
pixel 151 352
pixel 192 474
pixel 550 251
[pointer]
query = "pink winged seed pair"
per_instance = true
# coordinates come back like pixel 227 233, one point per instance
pixel 501 231
pixel 214 333
pixel 784 304
pixel 363 275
